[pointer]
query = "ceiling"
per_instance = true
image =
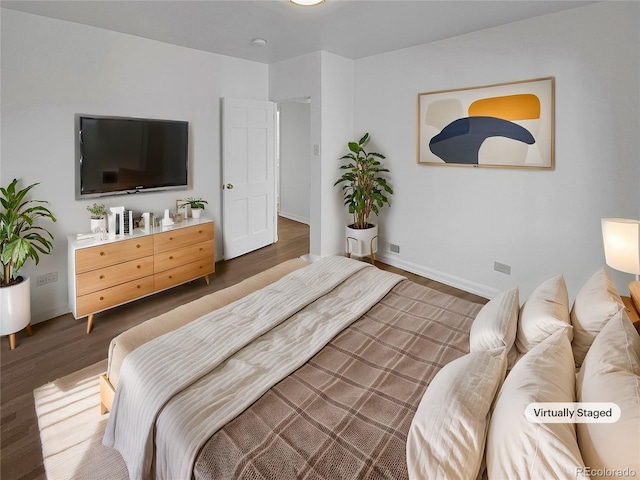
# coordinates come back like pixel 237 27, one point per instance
pixel 349 28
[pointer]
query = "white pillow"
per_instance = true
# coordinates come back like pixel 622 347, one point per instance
pixel 611 373
pixel 496 324
pixel 596 302
pixel 518 448
pixel 447 434
pixel 543 313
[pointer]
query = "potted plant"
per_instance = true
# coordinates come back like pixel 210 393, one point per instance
pixel 196 204
pixel 98 216
pixel 364 188
pixel 20 239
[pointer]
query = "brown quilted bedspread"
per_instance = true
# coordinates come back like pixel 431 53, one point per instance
pixel 346 412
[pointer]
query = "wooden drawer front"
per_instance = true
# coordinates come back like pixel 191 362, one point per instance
pixel 110 297
pixel 91 258
pixel 175 258
pixel 183 273
pixel 109 276
pixel 182 237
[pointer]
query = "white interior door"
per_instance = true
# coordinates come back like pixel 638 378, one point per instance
pixel 248 174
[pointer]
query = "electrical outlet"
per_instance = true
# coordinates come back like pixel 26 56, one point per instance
pixel 390 247
pixel 46 278
pixel 502 268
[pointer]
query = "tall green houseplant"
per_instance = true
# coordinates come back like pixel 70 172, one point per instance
pixel 20 238
pixel 363 185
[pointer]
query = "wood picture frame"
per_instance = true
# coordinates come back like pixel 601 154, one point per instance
pixel 508 125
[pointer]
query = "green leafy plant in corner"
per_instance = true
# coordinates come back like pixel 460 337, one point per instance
pixel 194 202
pixel 363 185
pixel 20 237
pixel 97 211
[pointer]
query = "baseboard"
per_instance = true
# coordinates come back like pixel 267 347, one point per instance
pixel 295 218
pixel 310 257
pixel 451 280
pixel 39 317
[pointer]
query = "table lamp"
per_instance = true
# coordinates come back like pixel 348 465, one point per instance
pixel 621 239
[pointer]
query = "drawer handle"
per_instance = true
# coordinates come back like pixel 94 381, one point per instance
pixel 101 298
pixel 138 245
pixel 101 277
pixel 170 276
pixel 201 248
pixel 138 286
pixel 139 266
pixel 199 231
pixel 170 238
pixel 171 257
pixel 102 254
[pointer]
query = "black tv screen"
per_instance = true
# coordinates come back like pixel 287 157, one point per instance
pixel 125 155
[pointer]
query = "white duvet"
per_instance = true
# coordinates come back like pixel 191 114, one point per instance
pixel 187 384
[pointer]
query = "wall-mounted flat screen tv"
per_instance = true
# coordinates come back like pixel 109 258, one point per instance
pixel 117 155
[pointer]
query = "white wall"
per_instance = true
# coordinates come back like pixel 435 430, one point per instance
pixel 337 132
pixel 298 78
pixel 326 79
pixel 295 158
pixel 453 223
pixel 53 69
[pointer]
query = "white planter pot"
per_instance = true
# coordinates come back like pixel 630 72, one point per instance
pixel 195 212
pixel 98 223
pixel 15 307
pixel 361 241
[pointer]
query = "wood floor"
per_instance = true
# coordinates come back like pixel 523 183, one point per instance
pixel 61 346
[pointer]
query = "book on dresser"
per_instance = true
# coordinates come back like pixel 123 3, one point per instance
pixel 106 273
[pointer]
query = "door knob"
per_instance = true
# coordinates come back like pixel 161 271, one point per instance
pixel 230 186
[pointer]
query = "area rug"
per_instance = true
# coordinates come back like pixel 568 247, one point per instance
pixel 71 428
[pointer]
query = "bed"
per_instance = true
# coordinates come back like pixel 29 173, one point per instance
pixel 340 370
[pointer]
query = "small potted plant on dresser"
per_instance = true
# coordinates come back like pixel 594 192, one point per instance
pixel 364 188
pixel 98 216
pixel 196 204
pixel 20 239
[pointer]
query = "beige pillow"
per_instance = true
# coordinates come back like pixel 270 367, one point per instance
pixel 611 373
pixel 496 324
pixel 447 434
pixel 543 313
pixel 518 448
pixel 596 302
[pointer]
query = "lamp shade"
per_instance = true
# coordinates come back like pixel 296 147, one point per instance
pixel 621 238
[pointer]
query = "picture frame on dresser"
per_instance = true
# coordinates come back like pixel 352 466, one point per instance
pixel 182 207
pixel 104 274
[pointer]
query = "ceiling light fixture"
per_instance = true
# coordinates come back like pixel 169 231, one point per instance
pixel 307 3
pixel 258 42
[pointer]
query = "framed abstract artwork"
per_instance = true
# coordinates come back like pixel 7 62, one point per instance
pixel 505 125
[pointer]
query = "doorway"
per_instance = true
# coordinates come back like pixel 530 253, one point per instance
pixel 293 157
